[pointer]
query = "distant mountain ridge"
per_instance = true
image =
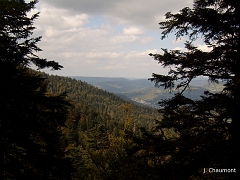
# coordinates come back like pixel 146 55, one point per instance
pixel 116 84
pixel 144 91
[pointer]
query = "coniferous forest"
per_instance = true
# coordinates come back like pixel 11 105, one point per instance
pixel 57 127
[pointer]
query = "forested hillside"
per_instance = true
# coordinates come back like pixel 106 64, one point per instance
pixel 101 101
pixel 100 130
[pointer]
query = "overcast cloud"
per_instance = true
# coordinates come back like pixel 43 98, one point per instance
pixel 105 37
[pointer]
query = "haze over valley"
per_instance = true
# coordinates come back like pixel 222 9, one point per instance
pixel 143 91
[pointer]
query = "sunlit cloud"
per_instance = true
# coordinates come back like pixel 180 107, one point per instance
pixel 107 38
pixel 132 31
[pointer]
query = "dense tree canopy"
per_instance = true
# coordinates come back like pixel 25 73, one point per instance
pixel 207 128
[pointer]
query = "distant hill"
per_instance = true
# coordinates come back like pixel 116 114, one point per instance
pixel 116 85
pixel 144 91
pixel 151 96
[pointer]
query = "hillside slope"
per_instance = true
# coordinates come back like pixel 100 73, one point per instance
pixel 101 101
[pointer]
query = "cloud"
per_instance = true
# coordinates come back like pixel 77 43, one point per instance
pixel 143 13
pixel 60 18
pixel 132 31
pixel 121 39
pixel 204 47
pixel 146 40
pixel 179 48
pixel 102 38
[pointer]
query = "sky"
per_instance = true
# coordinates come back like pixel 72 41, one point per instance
pixel 105 38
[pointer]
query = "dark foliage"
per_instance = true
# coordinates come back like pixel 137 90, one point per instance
pixel 31 120
pixel 207 128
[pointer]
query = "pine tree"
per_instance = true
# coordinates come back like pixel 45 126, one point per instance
pixel 207 128
pixel 31 120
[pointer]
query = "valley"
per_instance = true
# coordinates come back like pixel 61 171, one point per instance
pixel 144 91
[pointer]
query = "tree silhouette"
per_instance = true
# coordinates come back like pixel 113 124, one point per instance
pixel 31 120
pixel 207 128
